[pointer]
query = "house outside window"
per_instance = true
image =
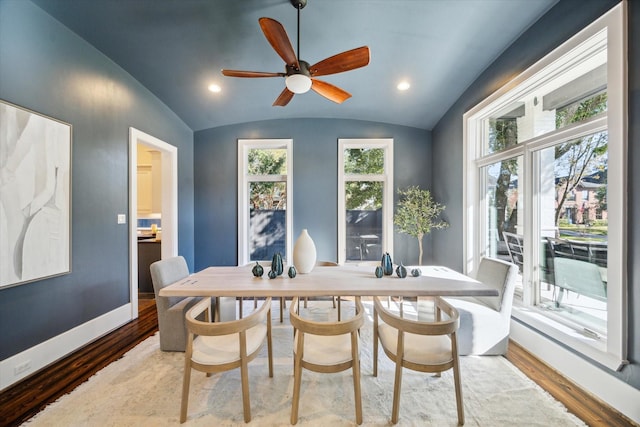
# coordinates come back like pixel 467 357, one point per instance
pixel 264 199
pixel 365 199
pixel 545 160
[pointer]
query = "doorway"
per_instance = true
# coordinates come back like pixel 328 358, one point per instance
pixel 168 181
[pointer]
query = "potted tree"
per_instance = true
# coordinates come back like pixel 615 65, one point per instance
pixel 417 214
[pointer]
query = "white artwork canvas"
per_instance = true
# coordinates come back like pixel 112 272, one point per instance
pixel 35 196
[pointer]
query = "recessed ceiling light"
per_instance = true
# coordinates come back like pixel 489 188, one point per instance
pixel 404 85
pixel 215 88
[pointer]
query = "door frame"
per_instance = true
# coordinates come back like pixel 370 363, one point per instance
pixel 169 162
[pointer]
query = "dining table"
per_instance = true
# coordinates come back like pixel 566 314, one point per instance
pixel 342 280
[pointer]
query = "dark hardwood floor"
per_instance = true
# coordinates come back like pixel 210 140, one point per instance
pixel 25 399
pixel 28 397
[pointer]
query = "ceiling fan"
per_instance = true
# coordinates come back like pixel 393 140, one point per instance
pixel 299 75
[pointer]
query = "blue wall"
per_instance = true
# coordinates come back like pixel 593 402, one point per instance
pixel 47 68
pixel 566 19
pixel 315 181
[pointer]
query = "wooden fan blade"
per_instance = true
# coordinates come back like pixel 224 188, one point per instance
pixel 345 61
pixel 250 74
pixel 277 37
pixel 329 91
pixel 285 96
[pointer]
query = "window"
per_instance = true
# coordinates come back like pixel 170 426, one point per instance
pixel 545 167
pixel 365 199
pixel 264 199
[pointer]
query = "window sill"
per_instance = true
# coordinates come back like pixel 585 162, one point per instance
pixel 571 337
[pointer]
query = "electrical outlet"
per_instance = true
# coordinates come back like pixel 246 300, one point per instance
pixel 21 368
pixel 122 219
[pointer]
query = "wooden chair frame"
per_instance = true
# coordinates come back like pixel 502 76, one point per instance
pixel 404 326
pixel 205 328
pixel 302 327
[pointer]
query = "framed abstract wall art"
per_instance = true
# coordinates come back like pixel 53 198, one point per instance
pixel 35 196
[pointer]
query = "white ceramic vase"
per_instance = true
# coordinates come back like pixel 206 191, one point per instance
pixel 304 253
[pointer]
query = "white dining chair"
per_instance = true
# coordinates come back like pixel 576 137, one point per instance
pixel 222 346
pixel 326 347
pixel 424 346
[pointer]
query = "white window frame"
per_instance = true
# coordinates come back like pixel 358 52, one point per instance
pixel 612 350
pixel 387 197
pixel 244 180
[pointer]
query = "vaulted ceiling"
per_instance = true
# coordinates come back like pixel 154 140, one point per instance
pixel 176 49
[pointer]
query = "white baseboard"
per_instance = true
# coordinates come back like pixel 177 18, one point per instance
pixel 587 376
pixel 21 365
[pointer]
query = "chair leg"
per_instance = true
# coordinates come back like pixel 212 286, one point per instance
pixel 339 309
pixel 246 402
pixel 185 392
pixel 375 343
pixel 269 344
pixel 397 386
pixel 297 378
pixel 356 377
pixel 458 384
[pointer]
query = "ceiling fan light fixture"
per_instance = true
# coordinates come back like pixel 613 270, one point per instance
pixel 404 85
pixel 298 83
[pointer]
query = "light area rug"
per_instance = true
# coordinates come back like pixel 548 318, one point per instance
pixel 144 387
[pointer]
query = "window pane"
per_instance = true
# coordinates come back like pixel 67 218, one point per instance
pixel 502 132
pixel 364 220
pixel 581 110
pixel 576 95
pixel 267 221
pixel 573 215
pixel 364 160
pixel 267 161
pixel 504 211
